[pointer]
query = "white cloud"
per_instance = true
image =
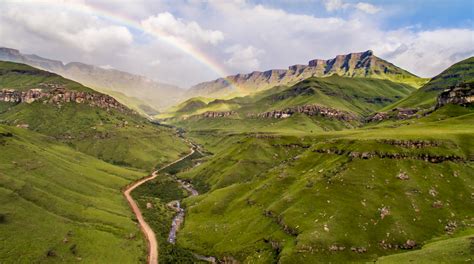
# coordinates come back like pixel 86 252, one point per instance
pixel 107 67
pixel 427 53
pixel 244 58
pixel 367 8
pixel 257 37
pixel 155 62
pixel 333 5
pixel 191 31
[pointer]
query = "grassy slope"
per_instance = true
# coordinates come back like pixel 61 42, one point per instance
pixel 443 250
pixel 23 77
pixel 48 190
pixel 425 97
pixel 133 103
pixel 360 96
pixel 250 175
pixel 120 138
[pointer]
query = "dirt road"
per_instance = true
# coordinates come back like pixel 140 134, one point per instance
pixel 146 229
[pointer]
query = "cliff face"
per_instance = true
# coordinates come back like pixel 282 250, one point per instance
pixel 363 64
pixel 310 110
pixel 460 95
pixel 61 95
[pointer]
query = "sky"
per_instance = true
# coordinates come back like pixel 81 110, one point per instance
pixel 185 42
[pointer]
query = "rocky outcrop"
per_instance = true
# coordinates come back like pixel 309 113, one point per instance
pixel 412 144
pixel 383 155
pixel 212 114
pixel 310 110
pixel 61 95
pixel 396 114
pixel 460 95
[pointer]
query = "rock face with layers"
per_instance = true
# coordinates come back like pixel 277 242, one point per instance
pixel 61 95
pixel 460 95
pixel 310 110
pixel 360 64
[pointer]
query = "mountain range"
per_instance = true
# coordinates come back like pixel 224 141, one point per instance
pixel 354 65
pixel 127 87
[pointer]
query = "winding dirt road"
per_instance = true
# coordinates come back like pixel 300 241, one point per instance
pixel 146 229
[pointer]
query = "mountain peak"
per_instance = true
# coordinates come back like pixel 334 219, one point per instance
pixel 357 64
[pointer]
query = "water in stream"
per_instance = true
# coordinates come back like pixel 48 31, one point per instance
pixel 179 218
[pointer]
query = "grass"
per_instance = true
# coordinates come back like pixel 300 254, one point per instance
pixel 112 136
pixel 60 202
pixel 425 97
pixel 273 197
pixel 357 95
pixel 50 193
pixel 360 96
pixel 443 250
pixel 23 77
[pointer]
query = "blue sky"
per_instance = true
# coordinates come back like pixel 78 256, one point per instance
pixel 426 14
pixel 240 36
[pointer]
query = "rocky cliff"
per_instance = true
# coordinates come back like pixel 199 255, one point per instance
pixel 61 95
pixel 310 110
pixel 461 95
pixel 362 64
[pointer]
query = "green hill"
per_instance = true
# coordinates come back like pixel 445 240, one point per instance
pixel 60 202
pixel 425 97
pixel 60 205
pixel 114 134
pixel 354 96
pixel 22 77
pixel 350 195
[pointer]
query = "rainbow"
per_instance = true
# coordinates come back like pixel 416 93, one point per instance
pixel 173 41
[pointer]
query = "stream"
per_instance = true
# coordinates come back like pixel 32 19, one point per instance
pixel 179 218
pixel 176 205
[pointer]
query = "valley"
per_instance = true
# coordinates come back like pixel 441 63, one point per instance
pixel 336 168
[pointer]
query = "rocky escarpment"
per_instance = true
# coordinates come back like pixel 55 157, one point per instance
pixel 385 155
pixel 360 64
pixel 212 114
pixel 61 95
pixel 460 95
pixel 310 110
pixel 396 113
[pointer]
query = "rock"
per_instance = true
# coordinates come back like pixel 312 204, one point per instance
pixel 23 125
pixel 55 94
pixel 433 192
pixel 384 211
pixel 335 247
pixel 461 95
pixel 403 176
pixel 359 250
pixel 212 114
pixel 310 110
pixel 326 228
pixel 410 244
pixel 450 227
pixel 437 204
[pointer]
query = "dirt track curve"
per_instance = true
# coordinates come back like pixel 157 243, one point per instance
pixel 146 229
